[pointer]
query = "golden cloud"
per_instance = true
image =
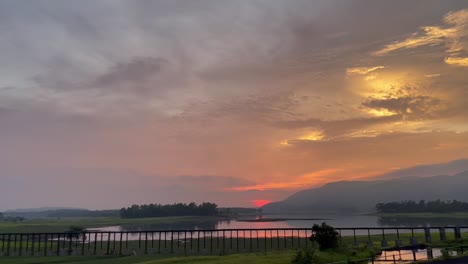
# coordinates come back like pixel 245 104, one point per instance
pixel 432 75
pixel 453 36
pixel 432 36
pixel 457 61
pixel 362 70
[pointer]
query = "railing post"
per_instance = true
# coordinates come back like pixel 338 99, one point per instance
pixel 108 243
pixel 237 240
pixel 120 244
pixel 457 233
pixel 442 233
pixel 354 236
pixel 95 244
pixel 70 238
pixel 172 242
pixel 198 241
pixel 20 245
pixel 159 242
pixel 146 242
pixel 32 244
pixel 58 244
pixel 250 241
pixel 427 234
pixel 8 245
pixel 139 240
pixel 211 242
pixel 45 244
pixel 83 243
pixel 277 239
pixel 185 242
pixel 429 253
pixel 14 245
pixel 224 242
pixel 27 244
pixel 3 243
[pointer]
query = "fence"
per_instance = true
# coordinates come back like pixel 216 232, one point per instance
pixel 208 242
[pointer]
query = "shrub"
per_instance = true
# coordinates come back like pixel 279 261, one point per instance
pixel 325 235
pixel 304 257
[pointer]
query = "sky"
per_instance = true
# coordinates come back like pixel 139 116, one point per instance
pixel 108 103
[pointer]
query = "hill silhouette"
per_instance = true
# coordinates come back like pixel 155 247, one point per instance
pixel 361 196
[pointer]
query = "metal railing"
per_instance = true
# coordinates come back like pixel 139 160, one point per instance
pixel 207 242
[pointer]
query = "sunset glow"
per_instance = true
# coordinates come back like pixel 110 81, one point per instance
pixel 260 203
pixel 105 104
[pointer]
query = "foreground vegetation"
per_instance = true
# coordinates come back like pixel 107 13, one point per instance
pixel 270 257
pixel 274 257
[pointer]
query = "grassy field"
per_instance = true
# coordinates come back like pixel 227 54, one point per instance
pixel 63 224
pixel 427 215
pixel 254 258
pixel 284 257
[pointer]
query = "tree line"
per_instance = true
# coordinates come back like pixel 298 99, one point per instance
pixel 422 206
pixel 176 209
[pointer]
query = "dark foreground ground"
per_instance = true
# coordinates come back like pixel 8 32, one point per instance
pixel 463 260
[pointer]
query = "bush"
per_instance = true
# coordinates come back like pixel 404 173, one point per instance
pixel 325 235
pixel 304 257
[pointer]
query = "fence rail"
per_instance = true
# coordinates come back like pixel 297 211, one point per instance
pixel 208 242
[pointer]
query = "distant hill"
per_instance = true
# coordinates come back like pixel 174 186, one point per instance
pixel 361 196
pixel 41 209
pixel 50 212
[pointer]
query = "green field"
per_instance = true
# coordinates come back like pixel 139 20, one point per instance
pixel 249 258
pixel 254 258
pixel 63 224
pixel 426 215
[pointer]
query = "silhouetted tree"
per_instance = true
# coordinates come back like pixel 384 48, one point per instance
pixel 176 209
pixel 422 206
pixel 325 235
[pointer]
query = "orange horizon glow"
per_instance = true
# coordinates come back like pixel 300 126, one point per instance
pixel 305 180
pixel 260 203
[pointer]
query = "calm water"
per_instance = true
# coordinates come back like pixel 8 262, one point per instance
pixel 406 256
pixel 293 221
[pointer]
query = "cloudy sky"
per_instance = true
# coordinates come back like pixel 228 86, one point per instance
pixel 108 103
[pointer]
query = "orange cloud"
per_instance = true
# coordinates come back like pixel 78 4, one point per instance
pixel 432 36
pixel 458 61
pixel 302 181
pixel 452 35
pixel 362 70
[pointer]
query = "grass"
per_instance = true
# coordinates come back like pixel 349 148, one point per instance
pixel 63 224
pixel 276 257
pixel 252 258
pixel 426 215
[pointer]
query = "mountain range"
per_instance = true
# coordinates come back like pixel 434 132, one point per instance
pixel 362 196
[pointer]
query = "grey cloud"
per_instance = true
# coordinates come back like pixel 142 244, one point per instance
pixel 136 71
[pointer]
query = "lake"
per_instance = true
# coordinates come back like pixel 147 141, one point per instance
pixel 293 221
